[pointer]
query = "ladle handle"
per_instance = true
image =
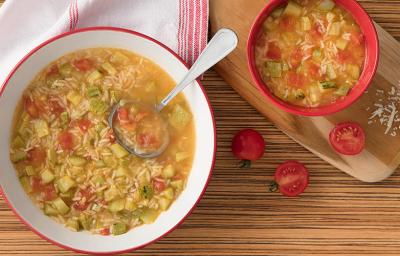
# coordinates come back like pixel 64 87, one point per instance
pixel 223 43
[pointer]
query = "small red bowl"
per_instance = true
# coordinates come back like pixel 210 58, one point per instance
pixel 370 62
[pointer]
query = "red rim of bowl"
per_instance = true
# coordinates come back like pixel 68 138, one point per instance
pixel 203 91
pixel 370 63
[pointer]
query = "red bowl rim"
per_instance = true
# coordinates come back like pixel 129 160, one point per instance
pixel 105 28
pixel 371 58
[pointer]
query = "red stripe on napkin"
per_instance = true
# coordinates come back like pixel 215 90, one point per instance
pixel 193 28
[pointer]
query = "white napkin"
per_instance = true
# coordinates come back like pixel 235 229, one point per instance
pixel 182 25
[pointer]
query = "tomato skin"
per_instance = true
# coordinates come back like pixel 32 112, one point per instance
pixel 36 156
pixel 55 107
pixel 65 139
pixel 356 38
pixel 123 114
pixel 30 107
pixel 296 57
pixel 53 70
pixel 84 193
pixel 292 178
pixel 83 64
pixel 296 80
pixel 37 185
pixel 274 52
pixel 158 185
pixel 248 144
pixel 105 232
pixel 49 192
pixel 313 70
pixel 347 138
pixel 84 125
pixel 287 23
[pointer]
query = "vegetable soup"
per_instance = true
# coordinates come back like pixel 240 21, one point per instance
pixel 66 155
pixel 310 53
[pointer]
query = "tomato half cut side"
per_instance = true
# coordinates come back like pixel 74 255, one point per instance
pixel 292 178
pixel 348 138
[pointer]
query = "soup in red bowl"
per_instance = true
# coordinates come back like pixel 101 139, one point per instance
pixel 313 57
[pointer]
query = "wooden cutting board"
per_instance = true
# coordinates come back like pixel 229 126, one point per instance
pixel 382 154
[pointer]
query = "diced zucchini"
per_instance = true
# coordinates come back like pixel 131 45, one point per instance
pixel 168 172
pixel 74 97
pixel 110 161
pixel 84 221
pixel 100 163
pixel 269 25
pixel 343 90
pixel 118 228
pixel 331 72
pixel 274 69
pixel 330 16
pixel 120 172
pixel 146 192
pixel 305 23
pixel 52 155
pixel 47 176
pixel 111 193
pixel 118 150
pixel 299 94
pixel 354 71
pixel 93 91
pixel 164 203
pixel 18 156
pixel 334 29
pixel 65 70
pixel 41 128
pixel 50 210
pixel 119 58
pixel 64 118
pixel 29 170
pixel 342 44
pixel 95 75
pixel 177 184
pixel 285 67
pixel 179 117
pixel 327 85
pixel 77 161
pixel 65 183
pixel 116 205
pixel 293 9
pixel 314 94
pixel 26 184
pixel 148 216
pixel 73 224
pixel 109 68
pixel 99 127
pixel 326 5
pixel 98 179
pixel 18 142
pixel 24 125
pixel 60 205
pixel 168 193
pixel 277 12
pixel 180 156
pixel 97 106
pixel 130 205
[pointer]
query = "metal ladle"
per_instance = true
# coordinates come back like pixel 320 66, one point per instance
pixel 223 43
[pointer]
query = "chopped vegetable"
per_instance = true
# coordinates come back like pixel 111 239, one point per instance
pixel 148 216
pixel 116 205
pixel 74 97
pixel 327 85
pixel 326 5
pixel 109 68
pixel 50 210
pixel 331 72
pixel 93 91
pixel 335 29
pixel 65 183
pixel 177 184
pixel 77 161
pixel 168 172
pixel 73 224
pixel 118 150
pixel 18 156
pixel 111 193
pixel 146 192
pixel 274 68
pixel 305 23
pixel 41 128
pixel 119 58
pixel 341 44
pixel 354 71
pixel 60 205
pixel 26 184
pixel 168 193
pixel 65 69
pixel 164 203
pixel 277 12
pixel 95 75
pixel 343 90
pixel 29 170
pixel 293 9
pixel 47 176
pixel 118 228
pixel 98 106
pixel 64 118
pixel 18 142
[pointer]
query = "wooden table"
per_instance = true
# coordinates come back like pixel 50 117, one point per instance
pixel 237 216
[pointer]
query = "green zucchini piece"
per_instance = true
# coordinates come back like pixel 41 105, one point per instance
pixel 77 161
pixel 305 23
pixel 64 118
pixel 18 142
pixel 65 70
pixel 164 203
pixel 277 12
pixel 327 85
pixel 177 184
pixel 50 210
pixel 146 192
pixel 168 172
pixel 116 205
pixel 111 193
pixel 274 69
pixel 29 170
pixel 74 97
pixel 168 193
pixel 118 150
pixel 93 91
pixel 60 205
pixel 342 44
pixel 97 106
pixel 109 68
pixel 119 58
pixel 95 75
pixel 41 128
pixel 47 176
pixel 326 5
pixel 18 155
pixel 84 221
pixel 65 183
pixel 118 228
pixel 73 224
pixel 26 184
pixel 343 90
pixel 293 9
pixel 148 216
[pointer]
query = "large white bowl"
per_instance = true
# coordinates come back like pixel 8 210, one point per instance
pixel 200 174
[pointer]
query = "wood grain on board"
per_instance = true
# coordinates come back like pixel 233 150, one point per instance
pixel 337 215
pixel 377 162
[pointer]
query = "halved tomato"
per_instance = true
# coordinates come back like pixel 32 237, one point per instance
pixel 292 178
pixel 347 138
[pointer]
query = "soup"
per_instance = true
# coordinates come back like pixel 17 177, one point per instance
pixel 310 52
pixel 66 155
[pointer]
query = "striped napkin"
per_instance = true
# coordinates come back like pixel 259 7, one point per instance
pixel 182 25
